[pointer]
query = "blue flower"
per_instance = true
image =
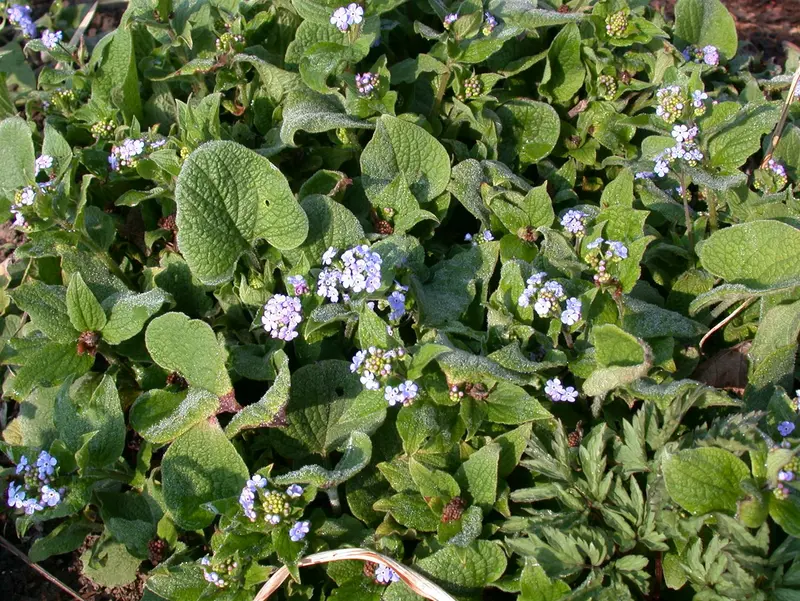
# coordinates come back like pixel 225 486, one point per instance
pixel 16 496
pixel 299 530
pixel 22 466
pixel 294 491
pixel 785 428
pixel 50 497
pixel 282 315
pixel 385 575
pixel 46 464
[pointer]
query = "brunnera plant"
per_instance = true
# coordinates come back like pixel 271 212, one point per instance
pixel 507 291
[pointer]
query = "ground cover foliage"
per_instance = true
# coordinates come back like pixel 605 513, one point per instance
pixel 435 280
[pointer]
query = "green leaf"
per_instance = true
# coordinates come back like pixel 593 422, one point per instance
pixel 432 483
pixel 534 210
pixel 183 582
pixel 399 147
pixel 315 113
pixel 651 321
pixel 116 82
pixel 330 224
pixel 732 146
pixel 201 466
pixel 614 346
pixel 65 538
pixel 48 365
pixel 747 254
pixel 84 311
pixel 16 155
pixel 619 192
pixel 465 185
pixel 128 312
pixel 327 403
pixel 87 407
pixel 356 453
pixel 175 277
pixel 453 287
pixel 189 347
pixel 564 71
pixel 510 404
pixel 705 480
pixel 398 196
pixel 35 419
pixel 786 513
pixel 161 416
pixel 465 570
pixel 129 519
pixel 702 22
pixel 270 406
pixel 109 564
pixel 228 197
pixel 536 586
pixel 774 349
pixel 410 510
pixel 57 147
pixel 530 131
pixel 47 308
pixel 478 476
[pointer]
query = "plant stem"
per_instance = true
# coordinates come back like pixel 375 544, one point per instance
pixel 711 201
pixel 333 497
pixel 444 79
pixel 687 213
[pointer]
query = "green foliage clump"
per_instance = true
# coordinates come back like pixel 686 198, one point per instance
pixel 506 291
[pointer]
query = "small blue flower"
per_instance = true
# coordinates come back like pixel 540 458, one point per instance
pixel 46 464
pixel 294 491
pixel 16 496
pixel 299 531
pixel 385 575
pixel 785 428
pixel 22 466
pixel 50 497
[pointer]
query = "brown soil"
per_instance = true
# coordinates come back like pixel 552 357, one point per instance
pixel 10 239
pixel 767 24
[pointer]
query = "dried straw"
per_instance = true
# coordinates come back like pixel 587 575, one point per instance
pixel 776 135
pixel 419 584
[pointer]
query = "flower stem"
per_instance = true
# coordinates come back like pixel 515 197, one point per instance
pixel 444 79
pixel 333 497
pixel 687 213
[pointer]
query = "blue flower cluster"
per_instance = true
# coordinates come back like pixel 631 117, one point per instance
pixel 346 16
pixel 549 296
pixel 20 16
pixel 37 490
pixel 601 252
pixel 379 368
pixel 358 270
pixel 559 393
pixel 574 221
pixel 282 315
pixel 131 151
pixel 708 55
pixel 273 505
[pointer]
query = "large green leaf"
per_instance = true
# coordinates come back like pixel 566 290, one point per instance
pixel 161 416
pixel 315 113
pixel 228 197
pixel 16 155
pixel 356 453
pixel 400 147
pixel 758 254
pixel 47 307
pixel 706 479
pixel 269 409
pixel 116 82
pixel 774 349
pixel 530 131
pixel 327 403
pixel 201 466
pixel 478 476
pixel 465 570
pixel 732 145
pixel 84 311
pixel 702 22
pixel 88 407
pixel 564 71
pixel 189 347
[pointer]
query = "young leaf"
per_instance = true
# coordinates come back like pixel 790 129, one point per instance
pixel 399 147
pixel 228 197
pixel 530 131
pixel 189 347
pixel 201 466
pixel 704 480
pixel 356 453
pixel 478 476
pixel 84 311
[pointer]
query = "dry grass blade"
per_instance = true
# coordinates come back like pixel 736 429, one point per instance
pixel 776 135
pixel 87 20
pixel 14 551
pixel 419 584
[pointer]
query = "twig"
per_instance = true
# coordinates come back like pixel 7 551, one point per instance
pixel 419 584
pixel 725 321
pixel 12 549
pixel 776 135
